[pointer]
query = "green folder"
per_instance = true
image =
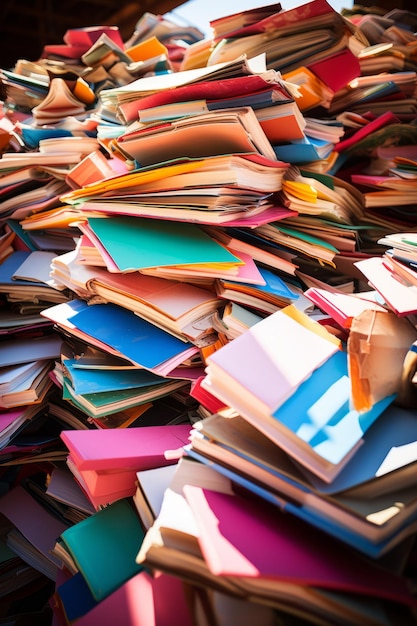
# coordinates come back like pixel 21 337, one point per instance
pixel 104 547
pixel 136 243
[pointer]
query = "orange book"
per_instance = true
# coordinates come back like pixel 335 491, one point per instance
pixel 313 91
pixel 147 49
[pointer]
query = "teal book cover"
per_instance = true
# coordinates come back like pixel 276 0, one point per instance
pixel 136 243
pixel 96 380
pixel 104 547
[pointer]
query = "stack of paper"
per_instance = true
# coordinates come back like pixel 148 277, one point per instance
pixel 105 462
pixel 99 325
pixel 299 393
pixel 195 281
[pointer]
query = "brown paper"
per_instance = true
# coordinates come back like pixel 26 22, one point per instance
pixel 377 345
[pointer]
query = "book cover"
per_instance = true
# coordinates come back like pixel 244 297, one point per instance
pixel 124 448
pixel 227 527
pixel 104 547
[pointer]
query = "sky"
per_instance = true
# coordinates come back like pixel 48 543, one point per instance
pixel 199 12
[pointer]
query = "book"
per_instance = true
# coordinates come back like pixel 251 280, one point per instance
pixel 312 91
pixel 279 19
pixel 290 366
pixel 173 536
pixel 399 297
pixel 38 526
pixel 84 542
pixel 324 35
pixel 131 243
pixel 247 171
pixel 32 390
pixel 76 41
pixel 144 86
pixel 361 498
pixel 18 351
pixel 254 90
pixel 226 131
pixel 282 123
pixel 135 448
pixel 150 489
pixel 113 476
pixel 114 392
pixel 235 319
pixel 227 524
pixel 13 420
pixel 381 121
pixel 275 294
pixel 162 596
pixel 271 259
pixel 401 244
pixel 338 69
pixel 29 287
pixel 303 150
pixel 62 487
pixel 180 308
pixel 299 242
pixel 342 307
pixel 59 103
pixel 401 267
pixel 65 594
pixel 174 539
pixel 225 25
pixel 80 320
pixel 326 444
pixel 383 464
pixel 375 527
pixel 12 376
pixel 92 168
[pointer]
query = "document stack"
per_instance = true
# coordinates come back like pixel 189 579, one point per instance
pixel 208 323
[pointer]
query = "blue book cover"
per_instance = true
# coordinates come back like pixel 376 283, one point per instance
pixel 320 413
pixel 95 380
pixel 139 341
pixel 303 150
pixel 9 266
pixel 274 285
pixel 76 597
pixel 393 433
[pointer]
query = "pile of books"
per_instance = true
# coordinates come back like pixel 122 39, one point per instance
pixel 208 323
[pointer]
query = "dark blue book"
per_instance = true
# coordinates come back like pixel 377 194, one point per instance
pixel 75 597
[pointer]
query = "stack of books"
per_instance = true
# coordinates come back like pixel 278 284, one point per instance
pixel 208 323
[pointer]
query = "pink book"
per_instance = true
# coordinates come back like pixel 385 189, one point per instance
pixel 342 307
pixel 401 298
pixel 103 488
pixel 143 600
pixel 136 448
pixel 12 418
pixel 246 538
pixel 382 120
